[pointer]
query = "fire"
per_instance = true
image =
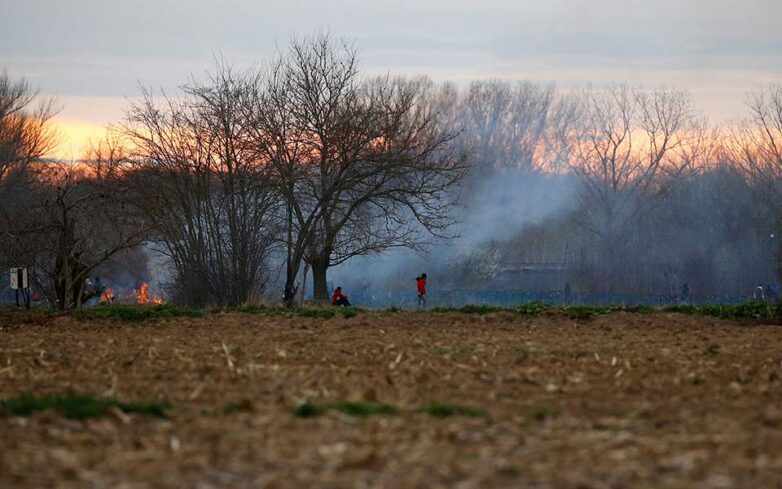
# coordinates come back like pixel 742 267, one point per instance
pixel 107 296
pixel 143 296
pixel 143 293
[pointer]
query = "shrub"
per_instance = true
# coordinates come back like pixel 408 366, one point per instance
pixel 349 312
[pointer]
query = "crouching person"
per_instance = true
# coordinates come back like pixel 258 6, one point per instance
pixel 339 299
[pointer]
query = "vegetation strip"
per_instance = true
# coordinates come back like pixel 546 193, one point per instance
pixel 137 313
pixel 127 312
pixel 78 406
pixel 748 310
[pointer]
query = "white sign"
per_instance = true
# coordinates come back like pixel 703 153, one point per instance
pixel 19 278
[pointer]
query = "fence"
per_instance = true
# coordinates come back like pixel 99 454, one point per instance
pixel 509 298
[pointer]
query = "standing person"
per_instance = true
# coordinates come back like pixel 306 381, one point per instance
pixel 420 283
pixel 685 295
pixel 339 299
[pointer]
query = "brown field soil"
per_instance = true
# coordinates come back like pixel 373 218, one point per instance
pixel 622 400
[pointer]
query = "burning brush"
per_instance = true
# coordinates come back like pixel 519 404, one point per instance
pixel 139 296
pixel 143 296
pixel 107 296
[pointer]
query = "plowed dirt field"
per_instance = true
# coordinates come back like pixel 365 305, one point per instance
pixel 623 400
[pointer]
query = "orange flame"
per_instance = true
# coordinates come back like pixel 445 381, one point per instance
pixel 107 296
pixel 143 296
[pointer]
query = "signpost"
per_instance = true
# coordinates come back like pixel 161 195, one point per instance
pixel 20 282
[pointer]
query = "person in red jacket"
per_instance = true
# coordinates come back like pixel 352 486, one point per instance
pixel 420 283
pixel 339 299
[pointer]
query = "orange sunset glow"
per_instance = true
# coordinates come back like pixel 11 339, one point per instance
pixel 75 137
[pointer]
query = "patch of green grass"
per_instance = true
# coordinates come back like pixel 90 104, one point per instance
pixel 442 350
pixel 393 309
pixel 441 410
pixel 363 409
pixel 358 409
pixel 470 309
pixel 309 409
pixel 302 311
pixel 534 307
pixel 681 309
pixel 129 312
pixel 747 310
pixel 480 309
pixel 78 406
pixel 257 309
pixel 315 312
pixel 641 308
pixel 349 312
pixel 586 312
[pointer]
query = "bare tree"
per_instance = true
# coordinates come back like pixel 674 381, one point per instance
pixel 79 217
pixel 358 161
pixel 756 146
pixel 25 131
pixel 25 136
pixel 205 189
pixel 506 125
pixel 629 148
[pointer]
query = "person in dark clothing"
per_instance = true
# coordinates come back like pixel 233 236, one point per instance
pixel 420 283
pixel 685 295
pixel 339 299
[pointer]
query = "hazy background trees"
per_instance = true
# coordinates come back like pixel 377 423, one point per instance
pixel 756 146
pixel 629 148
pixel 26 135
pixel 249 182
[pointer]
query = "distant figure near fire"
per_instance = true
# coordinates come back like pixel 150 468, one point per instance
pixel 420 283
pixel 339 299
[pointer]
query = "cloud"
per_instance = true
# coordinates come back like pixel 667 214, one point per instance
pixel 101 48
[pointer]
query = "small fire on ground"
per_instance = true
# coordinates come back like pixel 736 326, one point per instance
pixel 143 296
pixel 107 296
pixel 138 296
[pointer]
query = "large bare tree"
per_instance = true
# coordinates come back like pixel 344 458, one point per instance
pixel 204 188
pixel 362 163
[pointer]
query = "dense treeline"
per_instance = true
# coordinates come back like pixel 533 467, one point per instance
pixel 250 181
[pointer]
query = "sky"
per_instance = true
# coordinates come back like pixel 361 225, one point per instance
pixel 94 54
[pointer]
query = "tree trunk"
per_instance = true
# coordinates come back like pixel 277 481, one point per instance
pixel 319 289
pixel 303 287
pixel 289 293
